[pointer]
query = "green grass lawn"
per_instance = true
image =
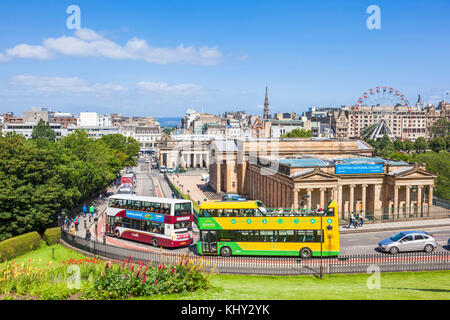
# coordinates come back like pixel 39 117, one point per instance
pixel 45 253
pixel 403 285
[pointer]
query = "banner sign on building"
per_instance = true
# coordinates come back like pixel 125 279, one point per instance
pixel 359 168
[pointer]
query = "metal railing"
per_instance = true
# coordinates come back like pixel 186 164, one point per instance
pixel 413 261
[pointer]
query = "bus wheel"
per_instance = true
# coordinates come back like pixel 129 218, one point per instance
pixel 117 234
pixel 155 242
pixel 225 252
pixel 305 253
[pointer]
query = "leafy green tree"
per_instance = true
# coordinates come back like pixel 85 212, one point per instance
pixel 409 145
pixel 440 128
pixel 421 144
pixel 437 144
pixel 31 191
pixel 43 131
pixel 298 133
pixel 124 148
pixel 399 145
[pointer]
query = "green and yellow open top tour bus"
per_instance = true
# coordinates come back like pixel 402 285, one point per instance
pixel 249 228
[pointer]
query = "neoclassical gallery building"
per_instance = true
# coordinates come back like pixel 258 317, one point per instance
pixel 307 173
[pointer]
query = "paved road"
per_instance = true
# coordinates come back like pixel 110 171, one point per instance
pixel 366 243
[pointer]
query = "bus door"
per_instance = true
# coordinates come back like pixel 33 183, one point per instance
pixel 209 241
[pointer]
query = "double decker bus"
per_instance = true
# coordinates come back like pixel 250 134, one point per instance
pixel 157 221
pixel 249 228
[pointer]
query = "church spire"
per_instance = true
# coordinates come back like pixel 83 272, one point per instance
pixel 266 105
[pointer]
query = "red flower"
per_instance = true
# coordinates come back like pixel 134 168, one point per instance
pixel 144 279
pixel 156 282
pixel 173 270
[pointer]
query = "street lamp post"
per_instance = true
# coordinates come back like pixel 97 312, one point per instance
pixel 96 233
pixel 321 242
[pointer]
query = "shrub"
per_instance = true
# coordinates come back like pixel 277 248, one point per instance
pixel 19 245
pixel 52 236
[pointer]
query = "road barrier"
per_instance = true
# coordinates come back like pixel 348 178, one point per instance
pixel 411 261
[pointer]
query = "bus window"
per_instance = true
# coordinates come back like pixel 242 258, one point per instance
pixel 330 212
pixel 183 209
pixel 136 205
pixel 182 225
pixel 225 235
pixel 165 208
pixel 126 222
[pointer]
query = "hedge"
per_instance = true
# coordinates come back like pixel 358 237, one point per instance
pixel 19 245
pixel 52 236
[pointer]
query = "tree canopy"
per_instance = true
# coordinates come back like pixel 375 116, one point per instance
pixel 39 179
pixel 298 133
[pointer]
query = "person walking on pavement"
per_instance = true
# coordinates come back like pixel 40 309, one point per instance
pixel 361 219
pixel 88 235
pixel 352 221
pixel 76 222
pixel 173 195
pixel 84 210
pixel 91 210
pixel 355 223
pixel 73 231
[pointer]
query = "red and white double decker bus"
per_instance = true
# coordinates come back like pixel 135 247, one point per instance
pixel 158 221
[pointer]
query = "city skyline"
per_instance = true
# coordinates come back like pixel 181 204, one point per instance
pixel 158 59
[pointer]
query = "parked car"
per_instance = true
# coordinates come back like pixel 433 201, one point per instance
pixel 147 160
pixel 233 197
pixel 409 241
pixel 162 169
pixel 170 170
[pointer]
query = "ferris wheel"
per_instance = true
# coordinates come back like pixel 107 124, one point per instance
pixel 384 96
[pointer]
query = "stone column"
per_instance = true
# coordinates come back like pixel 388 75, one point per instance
pixel 341 202
pixel 396 200
pixel 377 202
pixel 430 198
pixel 322 197
pixel 309 197
pixel 408 200
pixel 419 200
pixel 352 198
pixel 363 198
pixel 295 194
pixel 218 176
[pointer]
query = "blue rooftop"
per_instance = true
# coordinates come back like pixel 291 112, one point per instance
pixel 304 163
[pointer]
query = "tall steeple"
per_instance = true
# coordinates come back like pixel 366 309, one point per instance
pixel 266 105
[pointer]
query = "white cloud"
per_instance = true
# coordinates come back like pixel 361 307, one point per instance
pixel 65 85
pixel 165 88
pixel 3 58
pixel 88 43
pixel 26 51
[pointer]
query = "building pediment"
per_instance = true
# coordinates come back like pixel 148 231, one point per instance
pixel 412 173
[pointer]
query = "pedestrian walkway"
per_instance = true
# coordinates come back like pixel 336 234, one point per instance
pixel 416 224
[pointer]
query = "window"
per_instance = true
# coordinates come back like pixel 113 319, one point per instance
pixel 419 237
pixel 183 209
pixel 182 225
pixel 407 238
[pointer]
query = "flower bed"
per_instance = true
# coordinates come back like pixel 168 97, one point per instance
pixel 94 279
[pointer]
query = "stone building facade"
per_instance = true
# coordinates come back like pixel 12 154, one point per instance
pixel 296 173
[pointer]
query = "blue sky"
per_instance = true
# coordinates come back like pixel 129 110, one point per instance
pixel 159 57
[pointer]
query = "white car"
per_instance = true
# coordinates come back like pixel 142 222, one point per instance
pixel 147 161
